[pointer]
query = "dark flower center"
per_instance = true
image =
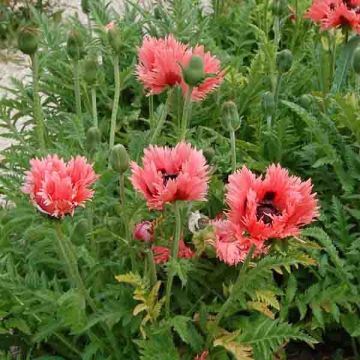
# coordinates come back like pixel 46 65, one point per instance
pixel 166 176
pixel 266 210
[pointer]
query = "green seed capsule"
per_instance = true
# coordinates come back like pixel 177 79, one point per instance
pixel 75 45
pixel 194 74
pixel 90 69
pixel 284 61
pixel 115 38
pixel 93 138
pixel 268 103
pixel 28 40
pixel 230 116
pixel 119 158
pixel 305 101
pixel 356 60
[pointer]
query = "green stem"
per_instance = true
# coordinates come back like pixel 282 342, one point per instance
pixel 186 113
pixel 266 8
pixel 115 102
pixel 151 267
pixel 233 150
pixel 77 91
pixel 162 119
pixel 151 112
pixel 94 106
pixel 69 258
pixel 269 122
pixel 174 254
pixel 122 188
pixel 277 33
pixel 277 91
pixel 37 110
pixel 228 303
pixel 70 346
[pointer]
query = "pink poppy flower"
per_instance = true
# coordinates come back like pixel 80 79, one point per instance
pixel 231 246
pixel 159 63
pixel 212 68
pixel 275 206
pixel 320 9
pixel 171 174
pixel 56 188
pixel 110 26
pixel 202 356
pixel 144 231
pixel 342 16
pixel 162 253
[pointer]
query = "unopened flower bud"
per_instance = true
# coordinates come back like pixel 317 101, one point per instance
pixel 268 103
pixel 75 45
pixel 119 158
pixel 85 6
pixel 284 61
pixel 114 36
pixel 230 116
pixel 144 231
pixel 194 72
pixel 305 101
pixel 356 60
pixel 28 40
pixel 203 239
pixel 279 7
pixel 93 138
pixel 90 68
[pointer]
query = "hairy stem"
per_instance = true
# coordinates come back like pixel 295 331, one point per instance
pixel 174 254
pixel 151 112
pixel 151 267
pixel 161 121
pixel 77 91
pixel 233 150
pixel 115 102
pixel 186 113
pixel 37 110
pixel 94 106
pixel 277 91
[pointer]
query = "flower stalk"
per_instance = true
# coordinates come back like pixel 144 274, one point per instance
pixel 77 91
pixel 94 106
pixel 37 111
pixel 174 254
pixel 233 150
pixel 116 101
pixel 186 115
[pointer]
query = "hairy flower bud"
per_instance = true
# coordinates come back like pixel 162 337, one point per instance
pixel 85 6
pixel 356 60
pixel 93 138
pixel 230 116
pixel 119 158
pixel 284 61
pixel 305 101
pixel 194 74
pixel 114 36
pixel 90 69
pixel 268 103
pixel 28 40
pixel 75 45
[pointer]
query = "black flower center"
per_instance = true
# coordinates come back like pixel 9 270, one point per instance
pixel 266 210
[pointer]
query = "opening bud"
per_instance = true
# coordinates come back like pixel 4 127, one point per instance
pixel 114 36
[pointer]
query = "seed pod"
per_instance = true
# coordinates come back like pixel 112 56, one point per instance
pixel 284 61
pixel 194 73
pixel 75 45
pixel 119 158
pixel 90 69
pixel 356 60
pixel 268 103
pixel 85 6
pixel 93 138
pixel 114 36
pixel 28 40
pixel 279 7
pixel 230 116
